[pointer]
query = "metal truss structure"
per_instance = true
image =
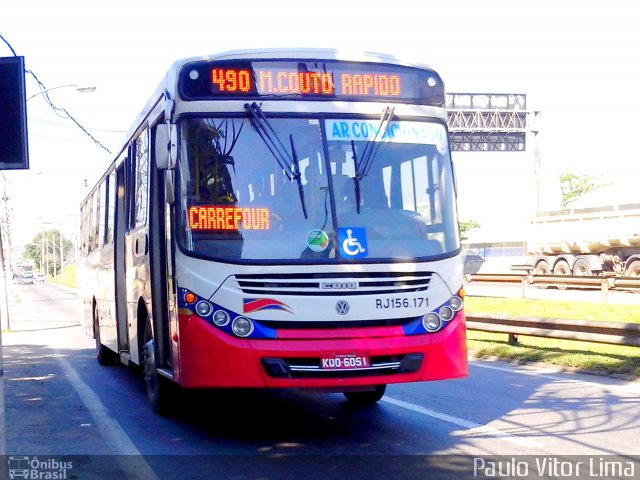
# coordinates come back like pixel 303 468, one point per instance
pixel 490 129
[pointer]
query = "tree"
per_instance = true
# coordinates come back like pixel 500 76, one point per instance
pixel 50 240
pixel 466 227
pixel 574 186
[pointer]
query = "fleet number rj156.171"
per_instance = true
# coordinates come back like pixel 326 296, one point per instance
pixel 416 302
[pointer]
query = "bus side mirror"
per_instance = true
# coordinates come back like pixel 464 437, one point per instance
pixel 166 146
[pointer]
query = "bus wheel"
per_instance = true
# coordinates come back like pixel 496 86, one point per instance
pixel 366 397
pixel 104 356
pixel 160 391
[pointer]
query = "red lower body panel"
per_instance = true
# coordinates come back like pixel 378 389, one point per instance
pixel 209 358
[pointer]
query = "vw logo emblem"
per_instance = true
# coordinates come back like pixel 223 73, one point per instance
pixel 342 307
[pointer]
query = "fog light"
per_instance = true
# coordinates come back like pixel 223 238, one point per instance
pixel 446 313
pixel 204 308
pixel 431 322
pixel 242 326
pixel 221 318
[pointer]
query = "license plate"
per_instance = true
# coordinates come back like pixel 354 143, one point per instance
pixel 343 361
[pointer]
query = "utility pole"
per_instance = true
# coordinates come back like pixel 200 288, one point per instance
pixel 4 301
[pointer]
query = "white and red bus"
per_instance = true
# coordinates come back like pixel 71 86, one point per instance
pixel 280 219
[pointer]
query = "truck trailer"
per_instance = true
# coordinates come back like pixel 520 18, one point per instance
pixel 586 241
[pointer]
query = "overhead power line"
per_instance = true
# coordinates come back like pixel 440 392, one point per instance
pixel 66 125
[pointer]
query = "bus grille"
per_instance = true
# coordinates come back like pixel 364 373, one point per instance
pixel 348 283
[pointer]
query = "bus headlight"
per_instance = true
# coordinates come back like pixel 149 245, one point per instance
pixel 431 322
pixel 456 303
pixel 446 313
pixel 204 308
pixel 242 326
pixel 221 318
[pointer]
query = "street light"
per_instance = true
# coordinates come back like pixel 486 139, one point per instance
pixel 44 252
pixel 80 87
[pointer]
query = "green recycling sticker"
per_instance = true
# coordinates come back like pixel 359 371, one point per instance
pixel 317 240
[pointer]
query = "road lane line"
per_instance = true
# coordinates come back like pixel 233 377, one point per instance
pixel 115 436
pixel 632 387
pixel 3 445
pixel 461 422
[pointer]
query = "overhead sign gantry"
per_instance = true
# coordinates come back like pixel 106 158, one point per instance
pixel 492 122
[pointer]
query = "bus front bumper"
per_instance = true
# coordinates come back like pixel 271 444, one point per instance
pixel 209 358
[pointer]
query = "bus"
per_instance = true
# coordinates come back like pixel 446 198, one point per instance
pixel 279 219
pixel 23 272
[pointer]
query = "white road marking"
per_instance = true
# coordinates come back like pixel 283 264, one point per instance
pixel 631 387
pixel 115 436
pixel 461 422
pixel 3 446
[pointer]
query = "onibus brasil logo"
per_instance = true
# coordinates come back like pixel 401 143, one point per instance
pixel 39 469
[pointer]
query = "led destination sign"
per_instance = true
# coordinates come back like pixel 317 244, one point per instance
pixel 310 79
pixel 216 218
pixel 303 83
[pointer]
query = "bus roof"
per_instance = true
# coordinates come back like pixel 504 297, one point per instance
pixel 302 53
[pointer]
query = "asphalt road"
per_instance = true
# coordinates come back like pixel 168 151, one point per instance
pixel 58 403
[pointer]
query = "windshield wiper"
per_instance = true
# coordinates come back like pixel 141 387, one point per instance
pixel 297 175
pixel 287 161
pixel 363 165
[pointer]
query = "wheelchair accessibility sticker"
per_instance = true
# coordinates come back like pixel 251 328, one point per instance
pixel 353 242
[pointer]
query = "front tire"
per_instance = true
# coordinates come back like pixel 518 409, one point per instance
pixel 160 390
pixel 366 397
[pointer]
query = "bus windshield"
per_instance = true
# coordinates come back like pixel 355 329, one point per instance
pixel 315 189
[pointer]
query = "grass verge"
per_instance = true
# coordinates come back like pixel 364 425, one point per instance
pixel 592 357
pixel 69 277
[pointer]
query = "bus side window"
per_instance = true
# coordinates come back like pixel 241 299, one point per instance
pixel 111 207
pixel 141 176
pixel 85 226
pixel 95 221
pixel 102 214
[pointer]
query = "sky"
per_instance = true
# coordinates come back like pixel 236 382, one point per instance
pixel 577 62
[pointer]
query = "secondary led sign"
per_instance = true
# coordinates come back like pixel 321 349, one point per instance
pixel 216 218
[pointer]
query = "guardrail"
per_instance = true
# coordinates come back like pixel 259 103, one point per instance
pixel 559 281
pixel 615 333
